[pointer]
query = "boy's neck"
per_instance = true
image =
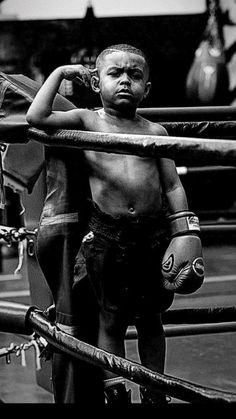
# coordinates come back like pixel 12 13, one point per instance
pixel 113 113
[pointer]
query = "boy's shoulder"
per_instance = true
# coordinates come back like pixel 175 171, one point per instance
pixel 154 128
pixel 87 116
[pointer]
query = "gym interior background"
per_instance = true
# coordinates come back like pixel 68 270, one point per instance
pixel 171 38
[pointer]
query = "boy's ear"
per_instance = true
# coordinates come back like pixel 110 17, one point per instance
pixel 147 89
pixel 95 84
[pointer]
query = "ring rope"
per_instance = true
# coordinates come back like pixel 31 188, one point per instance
pixel 215 151
pixel 12 319
pixel 190 330
pixel 199 315
pixel 32 319
pixel 195 113
pixel 130 370
pixel 196 321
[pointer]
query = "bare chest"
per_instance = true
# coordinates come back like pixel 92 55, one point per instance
pixel 122 168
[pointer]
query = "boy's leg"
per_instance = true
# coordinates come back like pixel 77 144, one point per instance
pixel 152 352
pixel 151 342
pixel 111 338
pixel 111 334
pixel 76 382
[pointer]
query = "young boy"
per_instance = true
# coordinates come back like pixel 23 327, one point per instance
pixel 126 236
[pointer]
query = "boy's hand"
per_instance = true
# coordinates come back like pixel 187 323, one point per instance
pixel 182 264
pixel 78 73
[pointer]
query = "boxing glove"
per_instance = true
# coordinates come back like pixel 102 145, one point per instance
pixel 182 264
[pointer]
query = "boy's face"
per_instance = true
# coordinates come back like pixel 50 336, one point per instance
pixel 123 80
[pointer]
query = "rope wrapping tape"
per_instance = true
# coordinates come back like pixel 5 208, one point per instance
pixel 131 370
pixel 210 151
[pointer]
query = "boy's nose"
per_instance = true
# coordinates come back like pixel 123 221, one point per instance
pixel 125 78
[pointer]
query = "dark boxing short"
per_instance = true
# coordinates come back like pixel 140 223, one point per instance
pixel 122 259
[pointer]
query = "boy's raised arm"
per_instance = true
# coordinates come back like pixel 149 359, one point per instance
pixel 40 113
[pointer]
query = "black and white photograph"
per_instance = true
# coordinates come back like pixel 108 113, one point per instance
pixel 118 205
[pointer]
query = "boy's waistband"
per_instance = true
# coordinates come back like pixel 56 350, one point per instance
pixel 115 226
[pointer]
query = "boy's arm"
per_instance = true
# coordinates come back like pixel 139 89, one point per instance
pixel 170 181
pixel 172 186
pixel 182 264
pixel 40 113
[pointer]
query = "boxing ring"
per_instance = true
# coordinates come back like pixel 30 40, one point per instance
pixel 22 319
pixel 218 147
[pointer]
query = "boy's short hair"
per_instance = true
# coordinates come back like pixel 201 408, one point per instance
pixel 124 48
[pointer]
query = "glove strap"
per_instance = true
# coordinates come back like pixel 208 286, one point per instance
pixel 183 222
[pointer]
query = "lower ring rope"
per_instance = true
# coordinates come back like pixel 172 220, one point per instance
pixel 130 370
pixel 19 318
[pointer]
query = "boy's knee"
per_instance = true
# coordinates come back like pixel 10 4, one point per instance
pixel 112 324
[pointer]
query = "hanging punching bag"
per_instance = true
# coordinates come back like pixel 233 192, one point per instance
pixel 207 81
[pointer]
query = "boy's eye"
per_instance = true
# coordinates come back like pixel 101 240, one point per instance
pixel 137 76
pixel 114 73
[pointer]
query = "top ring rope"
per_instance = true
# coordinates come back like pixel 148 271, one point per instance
pixel 195 113
pixel 210 151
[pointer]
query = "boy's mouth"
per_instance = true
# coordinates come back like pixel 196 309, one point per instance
pixel 124 92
